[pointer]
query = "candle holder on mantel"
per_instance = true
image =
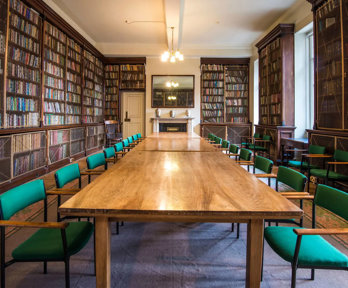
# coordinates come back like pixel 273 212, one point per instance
pixel 188 113
pixel 158 113
pixel 172 113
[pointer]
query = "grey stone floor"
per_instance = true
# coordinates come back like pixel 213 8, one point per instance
pixel 169 255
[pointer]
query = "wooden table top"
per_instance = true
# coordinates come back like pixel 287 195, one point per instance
pixel 176 143
pixel 175 186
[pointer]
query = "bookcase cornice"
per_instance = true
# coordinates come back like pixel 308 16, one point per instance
pixel 225 61
pixel 279 30
pixel 125 60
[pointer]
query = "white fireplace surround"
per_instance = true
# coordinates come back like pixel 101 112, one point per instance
pixel 156 121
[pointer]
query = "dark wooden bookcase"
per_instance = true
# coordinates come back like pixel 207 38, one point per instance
pixel 276 86
pixel 112 75
pixel 132 77
pixel 225 98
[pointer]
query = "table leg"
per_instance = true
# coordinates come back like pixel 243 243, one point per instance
pixel 254 253
pixel 103 255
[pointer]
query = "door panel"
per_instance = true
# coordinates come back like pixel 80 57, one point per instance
pixel 133 111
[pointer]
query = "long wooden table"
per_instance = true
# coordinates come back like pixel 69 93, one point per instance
pixel 187 186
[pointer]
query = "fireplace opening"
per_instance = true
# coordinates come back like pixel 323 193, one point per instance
pixel 172 127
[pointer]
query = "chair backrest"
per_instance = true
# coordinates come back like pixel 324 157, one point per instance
pixel 234 149
pixel 130 139
pixel 316 149
pixel 119 147
pixel 332 199
pixel 96 160
pixel 341 155
pixel 210 135
pixel 218 140
pixel 263 164
pixel 139 135
pixel 111 127
pixel 292 178
pixel 125 142
pixel 20 197
pixel 67 174
pixel 266 137
pixel 257 135
pixel 135 137
pixel 245 154
pixel 109 152
pixel 225 144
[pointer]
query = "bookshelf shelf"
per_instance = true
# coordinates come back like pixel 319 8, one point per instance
pixel 112 75
pixel 132 77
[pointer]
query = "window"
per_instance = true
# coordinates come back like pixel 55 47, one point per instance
pixel 309 80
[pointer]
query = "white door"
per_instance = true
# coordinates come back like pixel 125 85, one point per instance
pixel 132 113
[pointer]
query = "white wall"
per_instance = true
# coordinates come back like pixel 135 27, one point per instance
pixel 190 66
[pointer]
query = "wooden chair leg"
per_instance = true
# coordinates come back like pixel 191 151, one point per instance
pixel 2 232
pixel 232 227
pixel 293 277
pixel 94 258
pixel 312 274
pixel 67 274
pixel 238 226
pixel 45 267
pixel 117 228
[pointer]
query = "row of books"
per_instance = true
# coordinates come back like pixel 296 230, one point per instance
pixel 73 77
pixel 111 97
pixel 111 90
pixel 214 119
pixel 275 98
pixel 99 71
pixel 59 137
pixel 109 82
pixel 213 91
pixel 264 110
pixel 54 82
pixel 54 57
pixel 263 100
pixel 24 26
pixel 55 32
pixel 74 88
pixel 23 57
pixel 88 119
pixel 21 104
pixel 74 55
pixel 330 50
pixel 98 88
pixel 237 94
pixel 24 41
pixel 212 113
pixel 71 97
pixel 27 119
pixel 239 120
pixel 237 72
pixel 98 111
pixel 329 105
pixel 99 64
pixel 89 65
pixel 326 9
pixel 331 70
pixel 98 103
pixel 89 84
pixel 54 107
pixel 54 94
pixel 73 66
pixel 25 11
pixel 22 72
pixel 275 120
pixel 26 163
pixel 73 109
pixel 212 99
pixel 237 102
pixel 89 74
pixel 54 69
pixel 237 110
pixel 77 147
pixel 111 105
pixel 276 55
pixel 77 134
pixel 275 77
pixel 111 112
pixel 235 79
pixel 52 119
pixel 89 57
pixel 24 88
pixel 54 44
pixel 235 87
pixel 132 76
pixel 275 108
pixel 73 119
pixel 27 142
pixel 213 76
pixel 111 68
pixel 219 84
pixel 58 153
pixel 130 85
pixel 72 44
pixel 112 75
pixel 88 111
pixel 330 87
pixel 128 67
pixel 87 101
pixel 212 67
pixel 212 106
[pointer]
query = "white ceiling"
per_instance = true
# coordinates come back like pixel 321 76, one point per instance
pixel 200 25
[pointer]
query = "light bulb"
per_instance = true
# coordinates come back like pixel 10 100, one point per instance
pixel 177 54
pixel 172 59
pixel 181 57
pixel 168 84
pixel 165 56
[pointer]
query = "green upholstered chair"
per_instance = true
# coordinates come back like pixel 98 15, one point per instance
pixel 261 145
pixel 93 162
pixel 52 242
pixel 303 164
pixel 340 157
pixel 131 141
pixel 233 151
pixel 305 248
pixel 136 138
pixel 225 145
pixel 140 137
pixel 110 155
pixel 119 149
pixel 217 142
pixel 248 140
pixel 245 157
pixel 211 138
pixel 265 166
pixel 126 145
pixel 65 176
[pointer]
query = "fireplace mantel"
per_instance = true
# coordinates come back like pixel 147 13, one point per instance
pixel 157 120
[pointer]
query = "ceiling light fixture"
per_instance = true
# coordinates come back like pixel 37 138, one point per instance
pixel 172 55
pixel 172 84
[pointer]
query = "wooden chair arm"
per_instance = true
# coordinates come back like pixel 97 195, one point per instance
pixel 110 160
pixel 55 225
pixel 261 140
pixel 316 155
pixel 232 154
pixel 337 163
pixel 265 175
pixel 216 144
pixel 245 162
pixel 91 172
pixel 299 197
pixel 294 193
pixel 329 231
pixel 63 191
pixel 121 153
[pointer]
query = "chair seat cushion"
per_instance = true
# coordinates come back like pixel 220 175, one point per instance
pixel 257 147
pixel 297 164
pixel 314 251
pixel 321 173
pixel 47 244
